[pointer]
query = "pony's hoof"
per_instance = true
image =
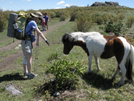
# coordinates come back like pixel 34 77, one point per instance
pixel 120 84
pixel 89 72
pixel 98 70
pixel 113 78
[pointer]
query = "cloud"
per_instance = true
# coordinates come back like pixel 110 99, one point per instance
pixel 3 9
pixel 57 8
pixel 11 2
pixel 61 2
pixel 82 6
pixel 26 0
pixel 67 5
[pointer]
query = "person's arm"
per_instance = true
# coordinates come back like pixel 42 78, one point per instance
pixel 42 35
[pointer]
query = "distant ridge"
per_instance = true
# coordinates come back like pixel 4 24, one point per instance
pixel 106 4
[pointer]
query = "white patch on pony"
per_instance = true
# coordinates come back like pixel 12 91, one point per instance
pixel 127 49
pixel 95 42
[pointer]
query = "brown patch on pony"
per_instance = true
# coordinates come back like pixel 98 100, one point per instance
pixel 109 37
pixel 113 47
pixel 119 50
pixel 83 45
pixel 108 50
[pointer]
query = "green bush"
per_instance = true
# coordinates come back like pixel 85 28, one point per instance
pixel 2 21
pixel 130 22
pixel 62 17
pixel 106 17
pixel 52 14
pixel 109 27
pixel 84 23
pixel 120 16
pixel 73 16
pixel 66 73
pixel 116 28
pixel 57 14
pixel 97 18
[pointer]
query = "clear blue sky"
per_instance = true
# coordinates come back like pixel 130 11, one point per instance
pixel 17 5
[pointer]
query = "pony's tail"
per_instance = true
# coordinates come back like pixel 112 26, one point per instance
pixel 130 64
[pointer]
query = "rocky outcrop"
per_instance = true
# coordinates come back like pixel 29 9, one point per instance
pixel 112 3
pixel 105 4
pixel 98 4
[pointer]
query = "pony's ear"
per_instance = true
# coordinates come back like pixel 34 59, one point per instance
pixel 66 32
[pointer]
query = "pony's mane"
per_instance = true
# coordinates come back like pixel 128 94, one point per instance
pixel 70 37
pixel 67 38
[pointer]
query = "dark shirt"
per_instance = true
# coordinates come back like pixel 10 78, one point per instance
pixel 46 18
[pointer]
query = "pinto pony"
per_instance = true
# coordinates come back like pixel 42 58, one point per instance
pixel 104 47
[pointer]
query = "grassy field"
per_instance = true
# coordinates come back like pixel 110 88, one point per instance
pixel 94 87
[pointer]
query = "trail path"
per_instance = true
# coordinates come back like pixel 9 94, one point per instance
pixel 8 61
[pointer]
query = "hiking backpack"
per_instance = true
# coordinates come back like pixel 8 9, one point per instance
pixel 16 26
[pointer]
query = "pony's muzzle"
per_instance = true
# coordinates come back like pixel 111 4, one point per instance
pixel 66 52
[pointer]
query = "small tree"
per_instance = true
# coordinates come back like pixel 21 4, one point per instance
pixel 116 28
pixel 83 23
pixel 2 21
pixel 130 22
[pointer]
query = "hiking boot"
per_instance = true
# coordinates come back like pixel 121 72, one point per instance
pixel 31 75
pixel 25 74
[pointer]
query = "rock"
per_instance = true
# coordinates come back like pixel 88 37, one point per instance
pixel 17 47
pixel 112 3
pixel 56 94
pixel 13 90
pixel 105 4
pixel 98 4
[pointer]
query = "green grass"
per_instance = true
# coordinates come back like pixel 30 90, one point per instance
pixel 94 87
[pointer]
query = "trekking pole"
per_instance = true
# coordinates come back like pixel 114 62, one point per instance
pixel 36 52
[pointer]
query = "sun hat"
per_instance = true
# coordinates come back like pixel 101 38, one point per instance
pixel 22 14
pixel 36 14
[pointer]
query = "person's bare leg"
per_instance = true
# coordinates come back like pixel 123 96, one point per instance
pixel 29 63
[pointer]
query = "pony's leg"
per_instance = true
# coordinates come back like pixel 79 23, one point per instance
pixel 123 71
pixel 89 63
pixel 116 72
pixel 97 63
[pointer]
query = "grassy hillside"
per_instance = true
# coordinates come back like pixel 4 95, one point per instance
pixel 96 86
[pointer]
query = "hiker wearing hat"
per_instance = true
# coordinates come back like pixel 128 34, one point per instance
pixel 31 25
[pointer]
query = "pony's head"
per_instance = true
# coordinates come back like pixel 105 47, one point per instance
pixel 68 42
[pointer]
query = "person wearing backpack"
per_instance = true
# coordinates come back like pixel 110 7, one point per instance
pixel 31 25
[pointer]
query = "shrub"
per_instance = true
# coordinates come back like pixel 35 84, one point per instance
pixel 97 18
pixel 120 16
pixel 106 17
pixel 66 73
pixel 52 14
pixel 62 17
pixel 130 22
pixel 57 14
pixel 2 21
pixel 118 28
pixel 115 28
pixel 83 23
pixel 73 16
pixel 109 27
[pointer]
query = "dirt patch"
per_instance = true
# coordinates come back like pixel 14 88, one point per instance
pixel 8 61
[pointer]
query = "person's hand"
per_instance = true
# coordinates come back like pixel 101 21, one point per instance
pixel 47 43
pixel 39 28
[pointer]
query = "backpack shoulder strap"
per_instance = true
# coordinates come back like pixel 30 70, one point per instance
pixel 27 21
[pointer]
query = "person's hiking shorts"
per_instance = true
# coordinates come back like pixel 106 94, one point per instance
pixel 26 47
